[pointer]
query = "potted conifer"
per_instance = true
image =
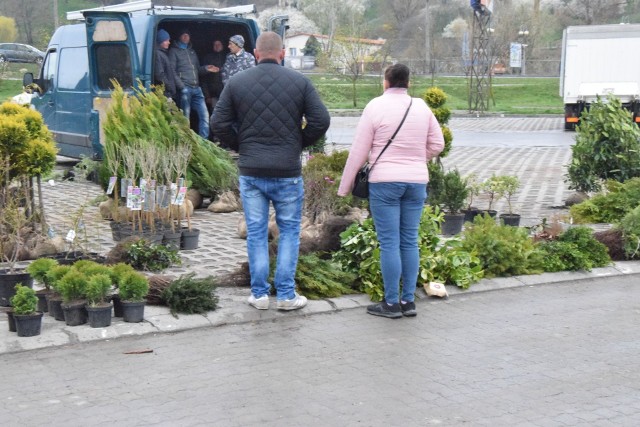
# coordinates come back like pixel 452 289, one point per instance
pixel 54 299
pixel 28 320
pixel 133 289
pixel 510 185
pixel 98 308
pixel 38 270
pixel 73 287
pixel 453 194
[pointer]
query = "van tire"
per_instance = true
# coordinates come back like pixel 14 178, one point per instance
pixel 2 59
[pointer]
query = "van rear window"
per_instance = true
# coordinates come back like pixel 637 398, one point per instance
pixel 113 61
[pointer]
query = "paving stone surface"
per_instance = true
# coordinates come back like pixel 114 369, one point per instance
pixel 551 355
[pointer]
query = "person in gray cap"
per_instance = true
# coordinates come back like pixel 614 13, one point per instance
pixel 238 60
pixel 187 68
pixel 163 74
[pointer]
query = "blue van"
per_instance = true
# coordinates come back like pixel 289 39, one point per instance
pixel 75 81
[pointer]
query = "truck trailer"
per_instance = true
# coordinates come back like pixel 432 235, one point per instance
pixel 598 61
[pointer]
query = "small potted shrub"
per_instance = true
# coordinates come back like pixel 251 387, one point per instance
pixel 452 197
pixel 118 271
pixel 494 189
pixel 510 185
pixel 28 320
pixel 98 308
pixel 133 289
pixel 54 299
pixel 73 287
pixel 475 187
pixel 38 270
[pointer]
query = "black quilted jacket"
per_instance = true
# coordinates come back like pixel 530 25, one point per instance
pixel 259 114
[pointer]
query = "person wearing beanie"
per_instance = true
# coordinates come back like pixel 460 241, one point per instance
pixel 186 65
pixel 163 73
pixel 237 60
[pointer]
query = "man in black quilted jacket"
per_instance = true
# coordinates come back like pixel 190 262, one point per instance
pixel 260 114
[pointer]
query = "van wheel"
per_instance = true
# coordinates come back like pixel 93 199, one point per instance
pixel 2 59
pixel 38 60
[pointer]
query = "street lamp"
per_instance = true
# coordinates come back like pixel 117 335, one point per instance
pixel 523 36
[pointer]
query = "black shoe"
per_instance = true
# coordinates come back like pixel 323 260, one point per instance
pixel 383 309
pixel 408 309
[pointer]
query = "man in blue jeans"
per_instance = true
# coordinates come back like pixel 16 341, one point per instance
pixel 259 114
pixel 187 68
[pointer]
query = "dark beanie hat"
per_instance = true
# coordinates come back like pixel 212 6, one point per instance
pixel 184 31
pixel 162 36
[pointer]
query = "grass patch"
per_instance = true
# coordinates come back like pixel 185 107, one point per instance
pixel 510 95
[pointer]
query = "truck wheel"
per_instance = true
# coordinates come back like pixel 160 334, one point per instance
pixel 569 126
pixel 2 59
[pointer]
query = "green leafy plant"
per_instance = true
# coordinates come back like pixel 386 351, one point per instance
pixel 575 249
pixel 54 275
pixel 319 278
pixel 607 146
pixel 118 271
pixel 502 250
pixel 450 264
pixel 25 301
pixel 98 289
pixel 510 185
pixel 474 186
pixel 39 269
pixel 85 168
pixel 454 191
pixel 610 205
pixel 435 99
pixel 494 188
pixel 72 286
pixel 630 227
pixel 150 257
pixel 190 295
pixel 133 287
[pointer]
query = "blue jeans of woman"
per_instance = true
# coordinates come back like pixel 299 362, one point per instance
pixel 287 195
pixel 396 208
pixel 192 97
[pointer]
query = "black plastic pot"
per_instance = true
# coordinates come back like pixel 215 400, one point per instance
pixel 8 282
pixel 470 214
pixel 133 312
pixel 100 316
pixel 11 320
pixel 28 325
pixel 43 306
pixel 172 240
pixel 510 219
pixel 55 307
pixel 75 313
pixel 189 239
pixel 452 224
pixel 117 305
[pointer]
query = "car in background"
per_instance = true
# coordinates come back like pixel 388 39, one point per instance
pixel 18 52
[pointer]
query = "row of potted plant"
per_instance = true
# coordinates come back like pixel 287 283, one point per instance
pixel 456 194
pixel 83 292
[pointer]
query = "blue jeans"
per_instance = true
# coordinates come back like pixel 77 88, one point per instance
pixel 192 97
pixel 287 195
pixel 396 208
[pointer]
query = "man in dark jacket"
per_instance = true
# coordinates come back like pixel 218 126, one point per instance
pixel 187 68
pixel 260 114
pixel 212 82
pixel 163 72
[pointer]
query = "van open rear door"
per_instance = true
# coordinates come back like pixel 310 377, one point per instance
pixel 113 57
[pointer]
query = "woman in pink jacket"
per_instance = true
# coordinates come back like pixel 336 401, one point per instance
pixel 397 183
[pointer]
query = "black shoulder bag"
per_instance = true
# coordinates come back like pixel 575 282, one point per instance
pixel 361 184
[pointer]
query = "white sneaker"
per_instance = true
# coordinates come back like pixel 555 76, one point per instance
pixel 261 303
pixel 292 304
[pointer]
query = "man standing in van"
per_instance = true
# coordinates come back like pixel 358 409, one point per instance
pixel 238 60
pixel 260 114
pixel 187 67
pixel 163 73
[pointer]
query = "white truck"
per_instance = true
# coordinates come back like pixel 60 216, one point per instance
pixel 598 60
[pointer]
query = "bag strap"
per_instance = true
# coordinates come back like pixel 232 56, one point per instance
pixel 394 134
